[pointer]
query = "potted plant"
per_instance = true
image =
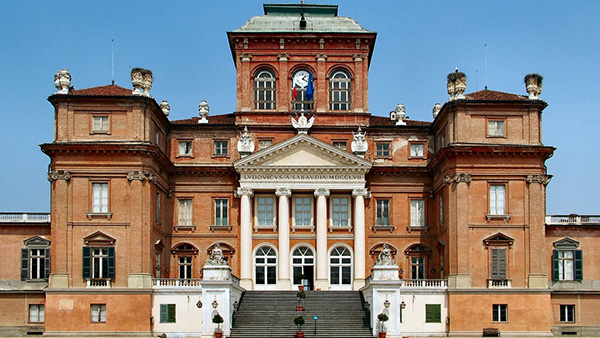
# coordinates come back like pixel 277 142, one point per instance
pixel 382 318
pixel 217 319
pixel 301 295
pixel 299 321
pixel 300 277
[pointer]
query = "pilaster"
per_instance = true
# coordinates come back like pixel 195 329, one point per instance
pixel 321 281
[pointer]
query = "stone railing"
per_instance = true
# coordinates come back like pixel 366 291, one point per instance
pixel 235 279
pixel 499 283
pixel 23 217
pixel 424 283
pixel 176 282
pixel 573 219
pixel 98 283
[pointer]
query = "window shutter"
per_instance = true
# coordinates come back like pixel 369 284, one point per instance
pixel 24 264
pixel 578 265
pixel 555 275
pixel 163 313
pixel 111 262
pixel 47 269
pixel 498 263
pixel 171 313
pixel 87 262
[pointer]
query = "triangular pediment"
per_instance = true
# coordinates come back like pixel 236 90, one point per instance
pixel 302 151
pixel 36 241
pixel 566 243
pixel 98 238
pixel 499 239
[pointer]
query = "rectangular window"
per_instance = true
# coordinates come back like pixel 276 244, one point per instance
pixel 98 313
pixel 185 267
pixel 302 211
pixel 221 211
pixel 262 144
pixel 158 206
pixel 417 149
pixel 382 149
pixel 417 267
pixel 498 263
pixel 36 313
pixel 567 313
pixel 157 138
pixel 184 211
pixel 221 148
pixel 497 199
pixel 567 265
pixel 500 313
pixel 99 197
pixel 37 263
pixel 266 211
pixel 167 313
pixel 98 263
pixel 496 128
pixel 441 205
pixel 340 145
pixel 433 313
pixel 185 148
pixel 340 215
pixel 383 212
pixel 417 212
pixel 100 124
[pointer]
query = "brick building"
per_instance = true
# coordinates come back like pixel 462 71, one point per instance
pixel 302 184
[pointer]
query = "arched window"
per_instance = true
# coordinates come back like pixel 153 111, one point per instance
pixel 303 262
pixel 266 265
pixel 302 90
pixel 417 254
pixel 339 90
pixel 265 87
pixel 184 253
pixel 340 265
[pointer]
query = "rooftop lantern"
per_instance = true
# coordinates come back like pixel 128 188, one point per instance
pixel 302 21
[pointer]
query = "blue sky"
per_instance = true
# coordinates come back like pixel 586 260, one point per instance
pixel 184 43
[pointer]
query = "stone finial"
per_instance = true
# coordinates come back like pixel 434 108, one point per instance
pixel 359 144
pixel 457 84
pixel 147 82
pixel 166 108
pixel 533 85
pixel 203 109
pixel 436 109
pixel 303 124
pixel 245 144
pixel 62 81
pixel 400 114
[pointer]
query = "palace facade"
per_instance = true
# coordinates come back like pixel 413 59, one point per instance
pixel 302 184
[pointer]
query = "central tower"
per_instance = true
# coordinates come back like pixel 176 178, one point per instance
pixel 300 57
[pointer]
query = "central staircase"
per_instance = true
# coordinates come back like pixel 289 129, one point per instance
pixel 271 314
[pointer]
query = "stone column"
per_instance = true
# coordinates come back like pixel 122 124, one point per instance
pixel 359 237
pixel 283 282
pixel 322 282
pixel 245 195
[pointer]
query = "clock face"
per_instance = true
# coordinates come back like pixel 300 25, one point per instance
pixel 301 79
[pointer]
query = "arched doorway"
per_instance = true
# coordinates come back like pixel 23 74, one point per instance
pixel 265 268
pixel 303 265
pixel 340 268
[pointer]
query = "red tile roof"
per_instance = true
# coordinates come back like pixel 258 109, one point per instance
pixel 110 90
pixel 228 119
pixel 384 121
pixel 492 95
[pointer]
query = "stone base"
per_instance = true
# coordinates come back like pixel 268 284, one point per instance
pixel 358 284
pixel 246 284
pixel 385 272
pixel 459 281
pixel 322 284
pixel 284 284
pixel 538 281
pixel 139 281
pixel 58 281
pixel 216 272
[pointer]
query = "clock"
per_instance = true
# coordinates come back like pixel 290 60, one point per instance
pixel 301 79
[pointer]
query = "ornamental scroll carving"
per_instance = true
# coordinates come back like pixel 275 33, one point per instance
pixel 322 192
pixel 244 191
pixel 141 176
pixel 59 175
pixel 287 192
pixel 361 192
pixel 542 179
pixel 457 178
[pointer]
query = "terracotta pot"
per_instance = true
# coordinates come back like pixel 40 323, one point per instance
pixel 218 334
pixel 382 334
pixel 299 334
pixel 300 287
pixel 299 307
